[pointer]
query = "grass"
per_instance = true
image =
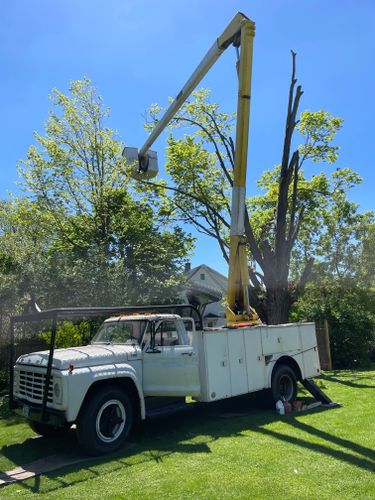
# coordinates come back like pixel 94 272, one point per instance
pixel 204 453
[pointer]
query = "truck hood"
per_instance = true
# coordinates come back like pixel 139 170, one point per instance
pixel 90 355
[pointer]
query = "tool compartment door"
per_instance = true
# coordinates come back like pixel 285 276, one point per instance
pixel 256 368
pixel 237 363
pixel 280 338
pixel 215 372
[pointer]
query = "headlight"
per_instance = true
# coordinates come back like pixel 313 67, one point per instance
pixel 57 391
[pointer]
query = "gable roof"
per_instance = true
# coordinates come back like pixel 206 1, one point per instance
pixel 218 278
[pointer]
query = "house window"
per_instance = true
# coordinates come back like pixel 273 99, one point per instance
pixel 202 276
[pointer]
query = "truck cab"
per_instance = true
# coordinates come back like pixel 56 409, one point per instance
pixel 138 355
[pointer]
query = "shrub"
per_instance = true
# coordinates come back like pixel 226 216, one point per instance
pixel 350 312
pixel 4 381
pixel 69 334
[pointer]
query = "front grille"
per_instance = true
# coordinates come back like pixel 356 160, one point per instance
pixel 31 386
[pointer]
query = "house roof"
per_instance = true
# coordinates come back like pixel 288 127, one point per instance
pixel 218 278
pixel 202 294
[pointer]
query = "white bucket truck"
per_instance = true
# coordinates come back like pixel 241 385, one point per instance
pixel 104 387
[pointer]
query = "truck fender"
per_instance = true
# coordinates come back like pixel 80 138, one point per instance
pixel 111 373
pixel 294 360
pixel 132 375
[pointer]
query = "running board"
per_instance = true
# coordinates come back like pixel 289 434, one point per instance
pixel 168 410
pixel 316 391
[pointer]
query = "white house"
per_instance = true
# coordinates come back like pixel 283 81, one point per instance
pixel 206 288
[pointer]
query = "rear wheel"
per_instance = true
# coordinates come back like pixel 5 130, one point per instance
pixel 284 384
pixel 105 421
pixel 48 430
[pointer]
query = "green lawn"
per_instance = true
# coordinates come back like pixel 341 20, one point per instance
pixel 204 453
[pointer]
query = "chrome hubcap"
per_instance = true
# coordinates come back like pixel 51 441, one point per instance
pixel 110 421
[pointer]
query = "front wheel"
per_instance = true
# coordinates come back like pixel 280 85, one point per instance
pixel 284 384
pixel 105 421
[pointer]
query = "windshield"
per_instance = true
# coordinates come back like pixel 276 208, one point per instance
pixel 120 332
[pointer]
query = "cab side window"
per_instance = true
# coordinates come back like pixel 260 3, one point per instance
pixel 166 334
pixel 189 327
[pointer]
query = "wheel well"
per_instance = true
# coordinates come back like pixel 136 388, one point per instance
pixel 125 383
pixel 292 363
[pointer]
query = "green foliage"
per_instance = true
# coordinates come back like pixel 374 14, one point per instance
pixel 311 193
pixel 78 158
pixel 4 382
pixel 69 334
pixel 319 129
pixel 350 312
pixel 334 228
pixel 199 164
pixel 23 249
pixel 333 231
pixel 365 261
pixel 83 235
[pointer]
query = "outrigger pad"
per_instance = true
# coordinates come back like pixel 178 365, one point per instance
pixel 316 391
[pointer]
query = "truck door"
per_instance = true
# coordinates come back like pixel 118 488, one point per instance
pixel 170 364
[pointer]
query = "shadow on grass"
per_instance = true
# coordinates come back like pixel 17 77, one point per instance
pixel 350 379
pixel 162 437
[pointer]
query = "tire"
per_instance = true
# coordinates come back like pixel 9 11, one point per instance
pixel 48 430
pixel 284 384
pixel 105 421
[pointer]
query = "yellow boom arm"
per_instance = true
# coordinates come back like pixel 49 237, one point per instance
pixel 239 32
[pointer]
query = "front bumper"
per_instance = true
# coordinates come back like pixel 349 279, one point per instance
pixel 32 411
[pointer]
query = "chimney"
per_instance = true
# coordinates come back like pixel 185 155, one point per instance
pixel 187 267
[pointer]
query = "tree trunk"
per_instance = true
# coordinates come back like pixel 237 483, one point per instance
pixel 278 302
pixel 272 304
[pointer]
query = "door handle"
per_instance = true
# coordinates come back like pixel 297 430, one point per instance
pixel 187 353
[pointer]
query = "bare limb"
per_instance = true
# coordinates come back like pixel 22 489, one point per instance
pixel 251 240
pixel 305 274
pixel 223 139
pixel 287 166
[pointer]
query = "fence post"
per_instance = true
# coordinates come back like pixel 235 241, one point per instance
pixel 11 362
pixel 327 344
pixel 49 368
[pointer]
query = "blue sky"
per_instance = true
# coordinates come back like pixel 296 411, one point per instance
pixel 140 52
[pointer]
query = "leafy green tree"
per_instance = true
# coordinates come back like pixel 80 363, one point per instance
pixel 350 312
pixel 337 230
pixel 76 167
pixel 285 224
pixel 340 285
pixel 366 256
pixel 22 249
pixel 83 235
